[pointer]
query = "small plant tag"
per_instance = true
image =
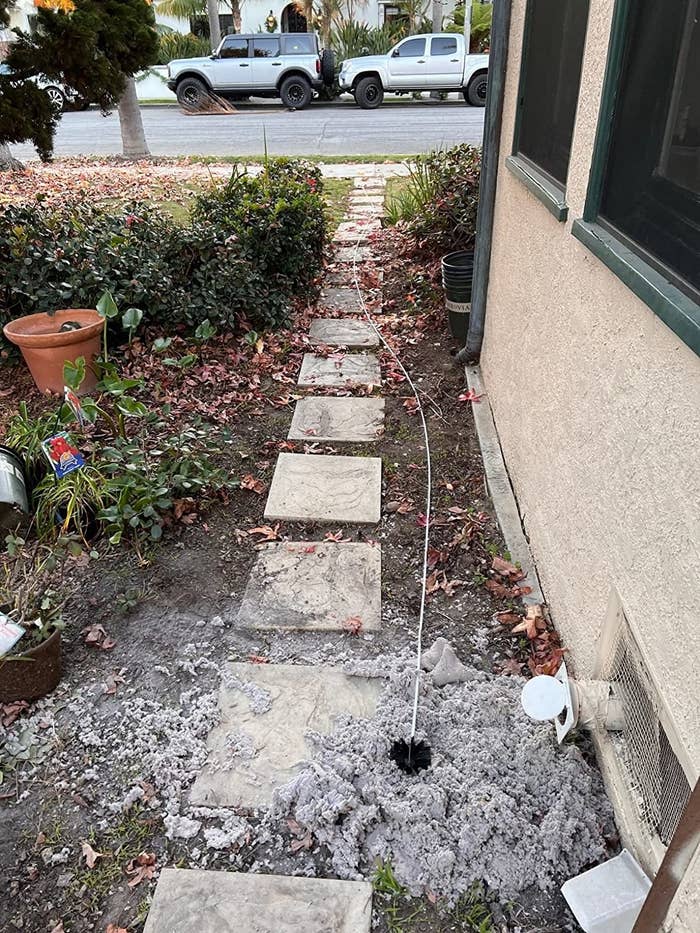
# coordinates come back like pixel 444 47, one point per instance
pixel 63 456
pixel 73 402
pixel 10 634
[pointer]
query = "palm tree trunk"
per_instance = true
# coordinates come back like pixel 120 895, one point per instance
pixel 214 28
pixel 8 163
pixel 134 145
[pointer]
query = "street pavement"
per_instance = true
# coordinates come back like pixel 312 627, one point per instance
pixel 341 128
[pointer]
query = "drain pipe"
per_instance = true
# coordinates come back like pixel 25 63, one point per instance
pixel 493 118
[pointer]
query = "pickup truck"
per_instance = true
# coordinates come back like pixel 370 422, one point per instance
pixel 287 65
pixel 433 62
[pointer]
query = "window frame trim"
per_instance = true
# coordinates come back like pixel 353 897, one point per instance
pixel 678 310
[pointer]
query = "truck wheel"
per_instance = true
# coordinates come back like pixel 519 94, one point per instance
pixel 369 93
pixel 192 94
pixel 295 93
pixel 328 67
pixel 475 94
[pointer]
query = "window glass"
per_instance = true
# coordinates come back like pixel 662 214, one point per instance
pixel 651 188
pixel 555 34
pixel 443 46
pixel 302 44
pixel 412 48
pixel 266 48
pixel 234 48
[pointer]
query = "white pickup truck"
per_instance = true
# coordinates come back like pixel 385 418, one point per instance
pixel 435 62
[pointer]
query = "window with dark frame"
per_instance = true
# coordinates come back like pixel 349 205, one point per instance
pixel 266 48
pixel 650 187
pixel 234 48
pixel 411 48
pixel 555 34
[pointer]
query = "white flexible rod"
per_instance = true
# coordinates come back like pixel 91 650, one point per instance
pixel 424 585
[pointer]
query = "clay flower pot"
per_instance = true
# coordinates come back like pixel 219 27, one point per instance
pixel 46 348
pixel 33 674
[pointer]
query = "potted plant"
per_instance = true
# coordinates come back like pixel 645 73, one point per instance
pixel 31 600
pixel 49 340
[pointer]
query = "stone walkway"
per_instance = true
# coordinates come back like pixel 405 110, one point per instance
pixel 266 710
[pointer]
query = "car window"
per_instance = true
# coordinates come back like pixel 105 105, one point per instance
pixel 412 48
pixel 266 48
pixel 234 48
pixel 299 44
pixel 443 45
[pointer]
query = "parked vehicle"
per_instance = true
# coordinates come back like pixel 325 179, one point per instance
pixel 61 96
pixel 433 62
pixel 290 66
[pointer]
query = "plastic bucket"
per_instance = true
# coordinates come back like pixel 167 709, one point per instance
pixel 457 276
pixel 14 502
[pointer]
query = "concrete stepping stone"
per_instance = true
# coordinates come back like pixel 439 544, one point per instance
pixel 339 332
pixel 338 369
pixel 340 278
pixel 353 254
pixel 341 299
pixel 323 488
pixel 349 420
pixel 314 586
pixel 357 230
pixel 194 901
pixel 266 712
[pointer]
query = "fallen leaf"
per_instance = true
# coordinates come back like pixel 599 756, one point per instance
pixel 112 681
pixel 507 617
pixel 91 856
pixel 306 842
pixel 266 532
pixel 258 659
pixel 141 868
pixel 255 485
pixel 511 666
pixel 505 567
pixel 113 928
pixel 353 625
pixel 470 396
pixel 336 536
pixel 96 637
pixel 58 928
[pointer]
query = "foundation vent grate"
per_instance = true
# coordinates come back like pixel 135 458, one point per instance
pixel 654 772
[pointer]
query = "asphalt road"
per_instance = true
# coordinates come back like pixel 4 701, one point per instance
pixel 400 128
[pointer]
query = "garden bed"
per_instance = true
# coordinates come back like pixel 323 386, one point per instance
pixel 94 775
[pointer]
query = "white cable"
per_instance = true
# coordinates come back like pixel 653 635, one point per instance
pixel 424 584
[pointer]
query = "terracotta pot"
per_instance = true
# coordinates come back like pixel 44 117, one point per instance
pixel 45 349
pixel 35 673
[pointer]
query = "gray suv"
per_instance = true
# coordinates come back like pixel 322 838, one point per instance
pixel 288 65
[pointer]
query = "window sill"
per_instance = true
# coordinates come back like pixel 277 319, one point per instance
pixel 676 310
pixel 537 182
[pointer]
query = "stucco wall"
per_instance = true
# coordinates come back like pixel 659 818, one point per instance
pixel 597 405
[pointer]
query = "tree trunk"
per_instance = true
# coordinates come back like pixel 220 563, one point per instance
pixel 214 28
pixel 8 163
pixel 134 145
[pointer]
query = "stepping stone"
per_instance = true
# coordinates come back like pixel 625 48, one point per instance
pixel 340 332
pixel 356 231
pixel 252 753
pixel 323 488
pixel 341 278
pixel 194 901
pixel 338 369
pixel 341 299
pixel 314 586
pixel 324 418
pixel 353 254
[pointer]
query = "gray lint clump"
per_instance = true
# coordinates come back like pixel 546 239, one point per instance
pixel 502 804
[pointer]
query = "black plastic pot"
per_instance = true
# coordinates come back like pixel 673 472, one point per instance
pixel 14 501
pixel 457 275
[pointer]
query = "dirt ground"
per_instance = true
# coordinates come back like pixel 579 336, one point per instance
pixel 171 611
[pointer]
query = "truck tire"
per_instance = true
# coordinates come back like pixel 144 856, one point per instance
pixel 369 93
pixel 192 94
pixel 295 92
pixel 328 67
pixel 475 93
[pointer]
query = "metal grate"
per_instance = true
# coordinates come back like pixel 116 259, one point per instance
pixel 653 770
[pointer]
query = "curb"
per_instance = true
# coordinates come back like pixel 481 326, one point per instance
pixel 499 487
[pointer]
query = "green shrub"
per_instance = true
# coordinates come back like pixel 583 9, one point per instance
pixel 439 204
pixel 172 45
pixel 249 247
pixel 480 25
pixel 351 39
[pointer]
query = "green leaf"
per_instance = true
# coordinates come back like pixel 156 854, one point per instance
pixel 161 343
pixel 156 532
pixel 107 306
pixel 205 331
pixel 74 373
pixel 131 318
pixel 129 406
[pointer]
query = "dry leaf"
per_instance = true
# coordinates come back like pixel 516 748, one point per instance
pixel 255 485
pixel 353 625
pixel 91 856
pixel 113 928
pixel 141 868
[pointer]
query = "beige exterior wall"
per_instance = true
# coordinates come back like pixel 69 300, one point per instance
pixel 597 404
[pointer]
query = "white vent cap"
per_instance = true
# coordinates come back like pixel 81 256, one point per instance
pixel 544 697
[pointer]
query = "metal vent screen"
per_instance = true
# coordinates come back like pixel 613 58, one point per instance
pixel 653 770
